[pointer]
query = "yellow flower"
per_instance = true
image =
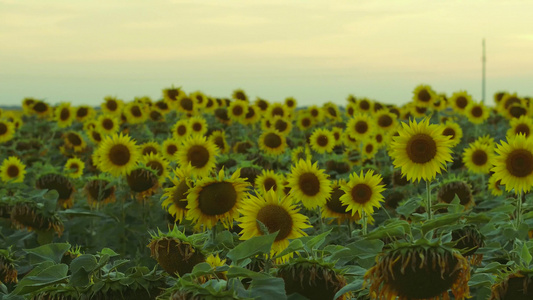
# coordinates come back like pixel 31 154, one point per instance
pixel 268 180
pixel 359 127
pixel 272 142
pixel 112 105
pixel 477 113
pixel 176 196
pixel 74 167
pixel 522 125
pixel 454 131
pixel 322 141
pixel 309 184
pixel 513 164
pixel 218 138
pixel 107 124
pixel 478 157
pixel 7 130
pixel 459 101
pixel 64 115
pixel 117 154
pixel 12 170
pixel 424 96
pixel 197 125
pixel 157 163
pixel 362 193
pixel 200 153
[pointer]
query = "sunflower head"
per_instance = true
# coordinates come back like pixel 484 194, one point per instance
pixel 309 184
pixel 272 142
pixel 74 167
pixel 477 157
pixel 468 240
pixel 8 271
pixel 12 170
pixel 517 285
pixel 32 217
pixel 513 164
pixel 143 181
pixel 117 154
pixel 423 95
pixel 99 190
pixel 176 196
pixel 200 153
pixel 59 183
pixel 362 192
pixel 456 187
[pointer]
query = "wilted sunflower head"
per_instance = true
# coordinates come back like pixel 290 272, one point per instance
pixel 59 183
pixel 99 190
pixel 517 285
pixel 143 181
pixel 468 240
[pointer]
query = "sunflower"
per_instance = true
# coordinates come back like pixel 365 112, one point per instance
pixel 186 105
pixel 239 94
pixel 304 121
pixel 197 125
pixel 487 140
pixel 150 147
pixel 61 184
pixel 516 111
pixel 275 214
pixel 351 108
pixel 74 140
pixel 420 150
pixel 181 129
pixel 237 111
pixel 362 193
pixel 64 115
pixel 498 96
pixel 508 100
pixel 335 209
pixel 316 113
pixel 242 147
pixel 216 199
pixel 173 95
pixel 262 104
pixel 252 116
pixel 117 154
pixel 331 111
pixel 322 141
pixel 200 153
pixel 135 113
pixel 41 108
pixel 360 126
pixel 459 101
pixel 84 113
pixel 477 113
pixel 364 105
pixel 7 130
pixel 27 105
pixel 423 95
pixel 494 186
pixel 95 136
pixel 385 120
pixel 291 103
pixel 451 188
pixel 309 184
pixel 268 180
pixel 282 125
pixel 370 148
pixel 74 167
pixel 199 98
pixel 175 202
pixel 108 124
pixel 300 153
pixel 277 109
pixel 337 135
pixel 143 182
pixel 522 125
pixel 210 105
pixel 477 157
pixel 418 111
pixel 218 137
pixel 12 170
pixel 513 164
pixel 158 164
pixel 99 190
pixel 112 106
pixel 272 142
pixel 454 131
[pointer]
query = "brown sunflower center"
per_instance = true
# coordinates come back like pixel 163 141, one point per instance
pixel 3 129
pixel 461 102
pixel 186 104
pixel 276 218
pixel 476 111
pixel 217 198
pixel 156 166
pixel 237 110
pixel 82 112
pixel 108 124
pixel 65 114
pixel 197 127
pixel 155 115
pixel 335 203
pixel 111 105
pixel 182 130
pixel 180 195
pixel 96 136
pixel 424 96
pixel 136 111
pixel 517 110
pixel 13 171
pixel 251 113
pixel 198 155
pixel 361 193
pixel 270 183
pixel 322 140
pixel 449 131
pixel 379 138
pixel 281 125
pixel 40 107
pixel 361 127
pixel 171 149
pixel 74 167
pixel 172 94
pixel 74 139
pixel 510 101
pixel 314 113
pixel 162 105
pixel 369 148
pixel 272 140
pixel 141 180
pixel 240 96
pixel 278 111
pixel 364 105
pixel 332 111
pixel 149 149
pixel 309 184
pixel 385 121
pixel 519 163
pixel 479 157
pixel 263 105
pixel 421 148
pixel 119 155
pixel 306 122
pixel 519 129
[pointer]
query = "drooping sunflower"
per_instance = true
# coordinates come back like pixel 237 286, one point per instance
pixel 269 180
pixel 423 95
pixel 272 142
pixel 12 170
pixel 158 164
pixel 360 126
pixel 175 202
pixel 61 184
pixel 275 214
pixel 454 131
pixel 197 125
pixel 218 138
pixel 117 154
pixel 143 182
pixel 309 184
pixel 181 129
pixel 108 124
pixel 150 147
pixel 112 106
pixel 477 113
pixel 362 193
pixel 420 150
pixel 522 125
pixel 216 199
pixel 74 167
pixel 200 153
pixel 135 113
pixel 322 141
pixel 64 115
pixel 459 101
pixel 7 130
pixel 454 187
pixel 99 190
pixel 513 164
pixel 477 157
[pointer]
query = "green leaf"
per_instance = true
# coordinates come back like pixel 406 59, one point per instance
pixel 252 247
pixel 440 221
pixel 81 268
pixel 394 228
pixel 235 271
pixel 316 241
pixel 51 274
pixel 356 285
pixel 294 245
pixel 408 207
pixel 49 252
pixel 268 288
pixel 109 252
pixel 526 256
pixel 50 200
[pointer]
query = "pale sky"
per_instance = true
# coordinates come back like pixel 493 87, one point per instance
pixel 315 51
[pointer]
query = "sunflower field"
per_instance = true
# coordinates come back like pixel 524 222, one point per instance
pixel 196 197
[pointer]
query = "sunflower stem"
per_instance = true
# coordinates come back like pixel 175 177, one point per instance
pixel 213 235
pixel 428 199
pixel 364 222
pixel 519 209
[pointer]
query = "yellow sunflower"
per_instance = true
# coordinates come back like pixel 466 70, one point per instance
pixel 423 95
pixel 513 164
pixel 117 154
pixel 362 193
pixel 267 180
pixel 334 209
pixel 210 105
pixel 275 214
pixel 370 148
pixel 337 134
pixel 454 131
pixel 322 141
pixel 216 199
pixel 27 105
pixel 74 167
pixel 252 116
pixel 477 113
pixel 309 184
pixel 522 125
pixel 272 142
pixel 175 202
pixel 331 111
pixel 239 94
pixel 316 113
pixel 420 150
pixel 494 186
pixel 41 108
pixel 172 95
pixel 108 124
pixel 351 109
pixel 74 140
pixel 64 115
pixel 95 136
pixel 150 147
pixel 112 106
pixel 509 100
pixel 12 170
pixel 218 138
pixel 364 105
pixel 84 113
pixel 262 104
pixel 197 125
pixel 181 129
pixel 186 105
pixel 477 157
pixel 237 111
pixel 385 120
pixel 304 121
pixel 200 153
pixel 300 153
pixel 7 130
pixel 291 103
pixel 135 113
pixel 170 148
pixel 158 164
pixel 282 125
pixel 459 101
pixel 360 126
pixel 277 109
